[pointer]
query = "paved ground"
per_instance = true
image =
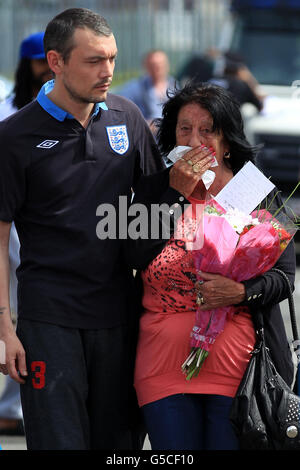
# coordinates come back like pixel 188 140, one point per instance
pixel 18 443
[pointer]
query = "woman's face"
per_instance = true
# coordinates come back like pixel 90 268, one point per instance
pixel 194 128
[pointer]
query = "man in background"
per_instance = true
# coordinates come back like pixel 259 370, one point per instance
pixel 31 73
pixel 149 92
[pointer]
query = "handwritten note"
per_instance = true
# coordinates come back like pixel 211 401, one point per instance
pixel 245 190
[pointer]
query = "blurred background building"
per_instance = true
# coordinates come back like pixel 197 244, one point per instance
pixel 180 27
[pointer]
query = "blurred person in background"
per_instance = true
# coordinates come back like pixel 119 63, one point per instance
pixel 226 69
pixel 149 92
pixel 31 73
pixel 232 73
pixel 198 68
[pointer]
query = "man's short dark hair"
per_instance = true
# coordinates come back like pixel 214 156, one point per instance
pixel 59 32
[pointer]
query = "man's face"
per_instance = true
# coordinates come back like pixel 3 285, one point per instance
pixel 157 66
pixel 88 72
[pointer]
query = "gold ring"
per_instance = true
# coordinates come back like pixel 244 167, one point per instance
pixel 196 168
pixel 199 300
pixel 189 162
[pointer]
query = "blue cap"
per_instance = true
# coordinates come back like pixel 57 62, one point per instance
pixel 32 47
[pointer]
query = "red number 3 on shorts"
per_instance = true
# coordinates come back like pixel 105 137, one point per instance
pixel 39 369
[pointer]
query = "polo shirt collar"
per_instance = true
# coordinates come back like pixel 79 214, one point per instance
pixel 57 112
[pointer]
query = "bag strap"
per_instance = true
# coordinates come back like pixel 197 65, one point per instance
pixel 296 342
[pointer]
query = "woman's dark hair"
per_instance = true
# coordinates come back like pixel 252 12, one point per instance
pixel 23 84
pixel 226 115
pixel 59 32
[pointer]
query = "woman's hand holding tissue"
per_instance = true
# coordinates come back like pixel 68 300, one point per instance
pixel 189 167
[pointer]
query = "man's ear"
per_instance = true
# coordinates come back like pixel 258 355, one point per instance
pixel 55 61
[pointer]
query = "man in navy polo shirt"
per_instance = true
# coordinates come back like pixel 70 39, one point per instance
pixel 62 156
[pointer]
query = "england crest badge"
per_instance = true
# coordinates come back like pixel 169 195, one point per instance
pixel 118 138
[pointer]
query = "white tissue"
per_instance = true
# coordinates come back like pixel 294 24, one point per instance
pixel 178 152
pixel 208 176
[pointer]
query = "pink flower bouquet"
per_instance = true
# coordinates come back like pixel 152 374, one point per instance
pixel 237 246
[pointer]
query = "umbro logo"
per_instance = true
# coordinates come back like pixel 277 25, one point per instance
pixel 47 144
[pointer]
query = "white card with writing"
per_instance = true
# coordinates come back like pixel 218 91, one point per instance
pixel 245 190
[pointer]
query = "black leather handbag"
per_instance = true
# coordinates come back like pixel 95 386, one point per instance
pixel 266 412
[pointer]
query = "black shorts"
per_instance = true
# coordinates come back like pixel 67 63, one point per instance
pixel 78 394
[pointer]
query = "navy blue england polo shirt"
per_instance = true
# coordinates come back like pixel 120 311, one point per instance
pixel 53 176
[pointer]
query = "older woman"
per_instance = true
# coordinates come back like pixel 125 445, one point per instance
pixel 181 414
